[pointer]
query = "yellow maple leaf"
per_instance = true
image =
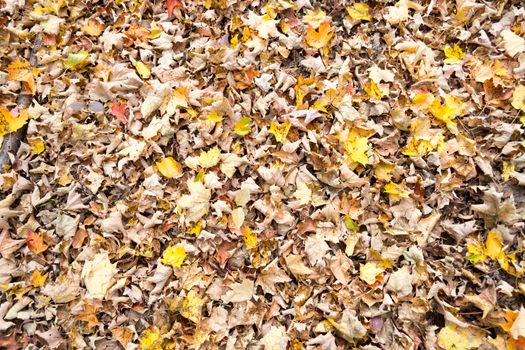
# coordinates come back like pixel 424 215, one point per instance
pixel 191 306
pixel 454 337
pixel 93 27
pixel 518 98
pixel 214 118
pixel 359 11
pixel 280 132
pixel 210 158
pixel 493 246
pixel 22 71
pixel 37 279
pixel 150 340
pixel 453 55
pixel 196 229
pixel 174 256
pixel 169 167
pixel 448 111
pixel 356 148
pixel 319 37
pixel 142 69
pixel 314 18
pixel 37 145
pixel 373 90
pixel 382 170
pixel 76 61
pixel 243 126
pixel 250 239
pixel 9 123
pixel 369 272
pixel 397 191
pixel 493 249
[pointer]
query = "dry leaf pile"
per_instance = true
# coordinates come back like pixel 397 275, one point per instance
pixel 223 174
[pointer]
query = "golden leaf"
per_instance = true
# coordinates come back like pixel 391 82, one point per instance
pixel 455 337
pixel 518 98
pixel 369 272
pixel 373 90
pixel 169 167
pixel 37 146
pixel 453 55
pixel 9 124
pixel 210 158
pixel 76 61
pixel 22 71
pixel 191 306
pixel 37 279
pixel 356 148
pixel 397 191
pixel 93 27
pixel 243 126
pixel 280 132
pixel 150 340
pixel 250 239
pixel 174 256
pixel 320 37
pixel 142 69
pixel 359 11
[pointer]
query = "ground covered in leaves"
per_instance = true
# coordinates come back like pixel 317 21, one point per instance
pixel 223 174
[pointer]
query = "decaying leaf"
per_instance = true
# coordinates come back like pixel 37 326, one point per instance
pixel 98 274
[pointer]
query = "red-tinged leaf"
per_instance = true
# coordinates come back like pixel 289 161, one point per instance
pixel 119 111
pixel 172 4
pixel 35 242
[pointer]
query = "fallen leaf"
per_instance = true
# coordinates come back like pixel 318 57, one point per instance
pixel 10 123
pixel 197 202
pixel 77 61
pixel 37 279
pixel 512 42
pixel 455 337
pixel 518 98
pixel 35 242
pixel 89 315
pixel 151 340
pixel 318 38
pixel 191 306
pixel 454 55
pixel 173 4
pixel 243 126
pixel 169 167
pixel 280 131
pixel 359 11
pixel 22 71
pixel 174 256
pixel 93 27
pixel 368 272
pixel 250 238
pixel 118 110
pixel 141 68
pixel 98 274
pixel 210 158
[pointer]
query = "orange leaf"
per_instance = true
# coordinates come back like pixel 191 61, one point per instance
pixel 510 317
pixel 38 279
pixel 119 111
pixel 89 315
pixel 172 4
pixel 320 37
pixel 21 70
pixel 35 242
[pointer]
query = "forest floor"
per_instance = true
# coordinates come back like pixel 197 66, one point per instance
pixel 228 174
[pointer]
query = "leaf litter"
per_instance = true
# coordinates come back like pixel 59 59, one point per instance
pixel 226 174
